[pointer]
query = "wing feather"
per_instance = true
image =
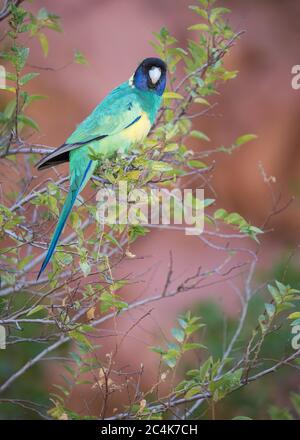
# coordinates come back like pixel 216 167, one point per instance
pixel 120 109
pixel 61 154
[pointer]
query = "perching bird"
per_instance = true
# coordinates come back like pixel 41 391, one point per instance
pixel 122 119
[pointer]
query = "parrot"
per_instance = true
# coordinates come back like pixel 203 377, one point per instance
pixel 122 119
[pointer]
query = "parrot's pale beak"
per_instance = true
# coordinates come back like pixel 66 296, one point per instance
pixel 155 74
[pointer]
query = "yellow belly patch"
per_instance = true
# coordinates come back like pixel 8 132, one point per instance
pixel 139 130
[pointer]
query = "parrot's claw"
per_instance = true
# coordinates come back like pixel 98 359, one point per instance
pixel 129 166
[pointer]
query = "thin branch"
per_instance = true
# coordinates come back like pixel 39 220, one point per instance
pixel 5 11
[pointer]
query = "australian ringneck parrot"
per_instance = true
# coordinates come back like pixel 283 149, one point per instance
pixel 122 119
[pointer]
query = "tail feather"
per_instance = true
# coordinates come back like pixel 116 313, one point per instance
pixel 68 205
pixel 71 197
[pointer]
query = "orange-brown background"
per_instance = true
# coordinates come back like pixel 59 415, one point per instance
pixel 114 36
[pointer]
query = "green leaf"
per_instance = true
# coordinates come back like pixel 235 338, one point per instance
pixel 193 327
pixel 295 398
pixel 199 135
pixel 172 95
pixel 277 413
pixel 26 120
pixel 196 164
pixel 21 55
pixel 200 11
pixel 44 43
pixel 241 418
pixel 270 309
pixel 230 75
pixel 85 267
pixel 275 294
pixel 208 202
pixel 193 346
pixel 52 203
pixel 32 98
pixel 10 89
pixel 108 301
pixel 24 261
pixel 9 76
pixel 64 258
pixel 171 362
pixel 225 384
pixel 35 310
pixel 204 3
pixel 79 58
pixel 281 287
pixel 75 356
pixel 294 315
pixel 182 322
pixel 263 323
pixel 199 27
pixel 220 214
pixel 158 350
pixel 217 12
pixel 134 175
pixel 86 328
pixel 178 334
pixel 171 147
pixel 81 338
pixel 202 101
pixel 159 166
pixel 245 138
pixel 193 391
pixel 28 77
pixel 235 219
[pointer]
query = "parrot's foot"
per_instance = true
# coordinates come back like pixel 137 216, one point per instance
pixel 130 160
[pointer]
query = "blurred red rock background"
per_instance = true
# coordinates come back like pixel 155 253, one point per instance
pixel 114 36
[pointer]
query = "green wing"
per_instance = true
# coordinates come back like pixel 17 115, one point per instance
pixel 120 109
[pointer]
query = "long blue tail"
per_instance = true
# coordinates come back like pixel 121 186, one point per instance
pixel 71 197
pixel 68 205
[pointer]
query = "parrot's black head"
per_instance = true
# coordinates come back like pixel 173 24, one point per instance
pixel 151 75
